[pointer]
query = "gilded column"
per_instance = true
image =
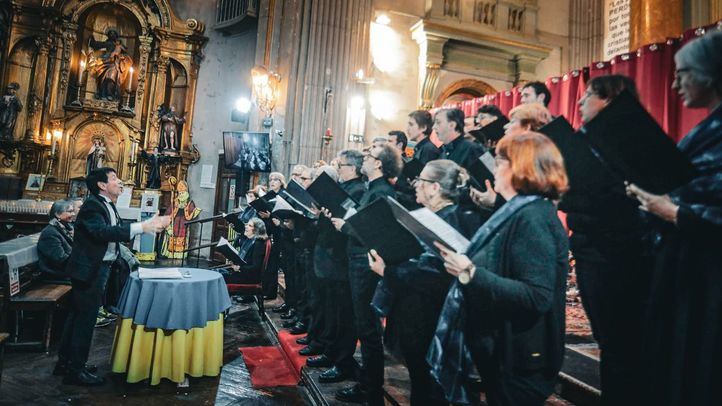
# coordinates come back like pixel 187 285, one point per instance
pixel 654 21
pixel 145 48
pixel 153 136
pixel 37 93
pixel 69 38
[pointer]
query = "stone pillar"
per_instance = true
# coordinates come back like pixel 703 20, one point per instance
pixel 654 21
pixel 586 32
pixel 431 59
pixel 37 92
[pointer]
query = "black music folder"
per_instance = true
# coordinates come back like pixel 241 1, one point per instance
pixel 297 196
pixel 284 210
pixel 412 169
pixel 234 219
pixel 377 228
pixel 228 251
pixel 482 170
pixel 262 204
pixel 634 146
pixel 329 194
pixel 493 131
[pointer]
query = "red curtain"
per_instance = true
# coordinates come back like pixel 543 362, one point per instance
pixel 652 68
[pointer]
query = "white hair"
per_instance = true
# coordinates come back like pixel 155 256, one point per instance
pixel 330 171
pixel 703 57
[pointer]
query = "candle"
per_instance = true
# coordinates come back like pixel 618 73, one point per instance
pixel 80 72
pixel 52 148
pixel 130 79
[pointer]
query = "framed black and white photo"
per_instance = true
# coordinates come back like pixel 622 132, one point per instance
pixel 35 182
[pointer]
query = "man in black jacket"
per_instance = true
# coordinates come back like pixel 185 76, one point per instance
pixel 449 127
pixel 418 129
pixel 98 231
pixel 381 163
pixel 339 316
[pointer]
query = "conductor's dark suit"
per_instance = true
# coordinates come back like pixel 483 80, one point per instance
pixel 98 230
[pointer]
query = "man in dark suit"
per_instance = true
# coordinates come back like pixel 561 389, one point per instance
pixel 381 163
pixel 418 129
pixel 98 231
pixel 449 127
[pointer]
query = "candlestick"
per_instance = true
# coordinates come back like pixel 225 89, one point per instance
pixel 130 79
pixel 80 73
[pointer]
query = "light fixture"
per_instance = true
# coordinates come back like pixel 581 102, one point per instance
pixel 357 103
pixel 243 105
pixel 383 19
pixel 385 46
pixel 266 88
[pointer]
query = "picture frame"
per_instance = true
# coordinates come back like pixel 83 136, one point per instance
pixel 78 188
pixel 35 182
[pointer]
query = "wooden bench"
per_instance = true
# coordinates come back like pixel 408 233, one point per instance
pixel 33 295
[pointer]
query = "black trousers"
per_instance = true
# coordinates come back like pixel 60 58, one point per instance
pixel 86 298
pixel 341 326
pixel 270 275
pixel 368 327
pixel 613 297
pixel 289 275
pixel 314 296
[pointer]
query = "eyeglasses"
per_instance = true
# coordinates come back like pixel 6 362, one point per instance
pixel 420 179
pixel 346 165
pixel 371 156
pixel 305 178
pixel 296 174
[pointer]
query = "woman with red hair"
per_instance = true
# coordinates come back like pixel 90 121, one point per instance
pixel 510 295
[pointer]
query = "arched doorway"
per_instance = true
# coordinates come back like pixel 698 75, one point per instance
pixel 464 89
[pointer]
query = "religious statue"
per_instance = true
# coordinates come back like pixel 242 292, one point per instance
pixel 170 123
pixel 155 160
pixel 95 156
pixel 10 106
pixel 111 68
pixel 182 210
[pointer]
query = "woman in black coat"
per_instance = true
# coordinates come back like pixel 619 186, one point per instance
pixel 253 252
pixel 417 287
pixel 513 277
pixel 683 326
pixel 56 242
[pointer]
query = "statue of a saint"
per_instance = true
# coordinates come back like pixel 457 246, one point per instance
pixel 111 68
pixel 182 210
pixel 170 124
pixel 95 156
pixel 155 160
pixel 10 106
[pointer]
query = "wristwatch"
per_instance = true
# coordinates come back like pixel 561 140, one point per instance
pixel 466 274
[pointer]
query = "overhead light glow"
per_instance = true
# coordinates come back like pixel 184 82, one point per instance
pixel 385 47
pixel 383 19
pixel 357 102
pixel 243 105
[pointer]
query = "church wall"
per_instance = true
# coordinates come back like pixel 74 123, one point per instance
pixel 553 33
pixel 224 77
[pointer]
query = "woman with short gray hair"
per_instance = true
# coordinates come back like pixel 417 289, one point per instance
pixel 683 340
pixel 56 242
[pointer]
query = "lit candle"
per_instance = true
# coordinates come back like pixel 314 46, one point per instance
pixel 52 148
pixel 130 79
pixel 80 72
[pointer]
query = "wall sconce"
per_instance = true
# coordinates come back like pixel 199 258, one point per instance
pixel 266 90
pixel 239 114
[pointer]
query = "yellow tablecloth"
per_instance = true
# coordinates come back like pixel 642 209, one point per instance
pixel 171 354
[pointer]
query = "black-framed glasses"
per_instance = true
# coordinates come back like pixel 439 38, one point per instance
pixel 369 155
pixel 420 179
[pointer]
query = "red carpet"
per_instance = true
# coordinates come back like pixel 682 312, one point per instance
pixel 268 367
pixel 290 348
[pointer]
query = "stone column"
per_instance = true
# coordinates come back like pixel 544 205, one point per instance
pixel 431 59
pixel 37 92
pixel 654 21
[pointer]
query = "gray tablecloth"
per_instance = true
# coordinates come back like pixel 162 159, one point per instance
pixel 20 251
pixel 175 303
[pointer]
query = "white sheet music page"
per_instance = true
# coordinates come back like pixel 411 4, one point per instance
pixel 159 273
pixel 441 228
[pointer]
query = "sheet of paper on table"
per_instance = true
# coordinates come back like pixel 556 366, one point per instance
pixel 159 273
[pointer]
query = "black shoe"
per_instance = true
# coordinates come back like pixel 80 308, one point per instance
pixel 83 378
pixel 305 340
pixel 269 297
pixel 332 375
pixel 289 323
pixel 352 394
pixel 62 369
pixel 289 314
pixel 319 361
pixel 308 351
pixel 299 328
pixel 281 309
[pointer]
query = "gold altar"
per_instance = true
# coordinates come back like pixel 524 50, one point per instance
pixel 95 75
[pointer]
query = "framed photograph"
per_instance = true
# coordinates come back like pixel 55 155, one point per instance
pixel 248 151
pixel 78 188
pixel 35 182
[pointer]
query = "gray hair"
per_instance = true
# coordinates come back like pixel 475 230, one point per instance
pixel 259 228
pixel 449 175
pixel 353 157
pixel 703 57
pixel 330 171
pixel 59 207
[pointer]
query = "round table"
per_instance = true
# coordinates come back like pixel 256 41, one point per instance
pixel 171 327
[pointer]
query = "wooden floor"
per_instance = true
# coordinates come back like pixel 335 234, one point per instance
pixel 27 376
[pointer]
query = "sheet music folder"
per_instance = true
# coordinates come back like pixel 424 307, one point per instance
pixel 329 194
pixel 396 234
pixel 482 170
pixel 228 251
pixel 493 131
pixel 635 147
